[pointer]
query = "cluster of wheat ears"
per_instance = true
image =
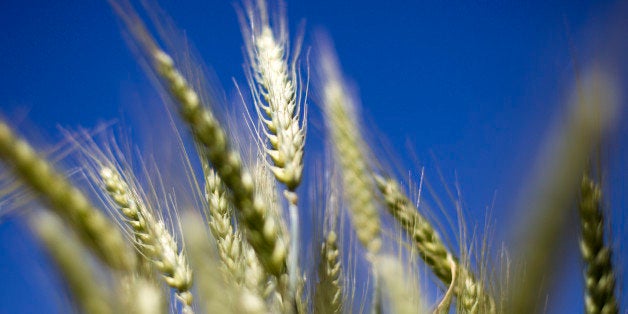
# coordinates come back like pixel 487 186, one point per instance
pixel 125 245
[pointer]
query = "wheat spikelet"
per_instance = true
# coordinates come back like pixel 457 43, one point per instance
pixel 599 275
pixel 68 254
pixel 471 296
pixel 349 152
pixel 152 238
pixel 328 296
pixel 92 226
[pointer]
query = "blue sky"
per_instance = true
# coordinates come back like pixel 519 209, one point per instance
pixel 471 87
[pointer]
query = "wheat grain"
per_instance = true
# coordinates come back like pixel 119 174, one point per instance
pixel 591 113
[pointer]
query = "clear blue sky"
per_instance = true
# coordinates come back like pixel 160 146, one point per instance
pixel 475 83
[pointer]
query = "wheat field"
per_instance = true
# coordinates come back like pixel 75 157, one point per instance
pixel 271 157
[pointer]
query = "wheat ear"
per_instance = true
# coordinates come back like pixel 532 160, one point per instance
pixel 277 98
pixel 262 231
pixel 94 229
pixel 217 294
pixel 239 263
pixel 278 105
pixel 153 239
pixel 599 276
pixel 68 254
pixel 349 152
pixel 471 296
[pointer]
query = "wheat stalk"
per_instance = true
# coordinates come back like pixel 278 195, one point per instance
pixel 262 232
pixel 599 275
pixel 152 238
pixel 93 228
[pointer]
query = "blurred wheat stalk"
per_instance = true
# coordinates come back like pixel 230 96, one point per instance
pixel 244 256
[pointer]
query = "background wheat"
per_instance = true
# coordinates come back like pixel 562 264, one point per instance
pixel 415 67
